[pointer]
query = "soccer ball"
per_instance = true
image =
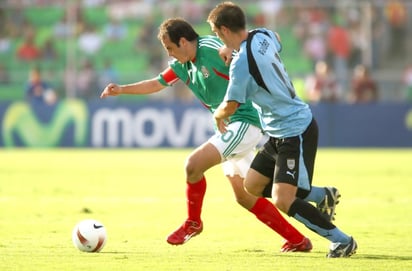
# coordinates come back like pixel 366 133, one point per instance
pixel 89 235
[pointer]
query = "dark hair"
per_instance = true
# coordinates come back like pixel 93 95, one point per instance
pixel 229 15
pixel 177 28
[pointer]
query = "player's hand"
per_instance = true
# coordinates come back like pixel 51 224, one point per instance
pixel 226 54
pixel 221 124
pixel 111 90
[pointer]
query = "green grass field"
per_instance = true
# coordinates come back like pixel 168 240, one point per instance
pixel 139 196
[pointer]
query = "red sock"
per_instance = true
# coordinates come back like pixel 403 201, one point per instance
pixel 194 194
pixel 266 212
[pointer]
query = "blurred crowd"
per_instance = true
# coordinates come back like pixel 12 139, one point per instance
pixel 345 51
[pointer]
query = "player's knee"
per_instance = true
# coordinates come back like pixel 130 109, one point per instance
pixel 253 189
pixel 192 170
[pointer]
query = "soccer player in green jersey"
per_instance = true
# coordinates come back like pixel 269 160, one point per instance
pixel 197 62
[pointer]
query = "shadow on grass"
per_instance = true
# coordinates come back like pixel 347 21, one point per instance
pixel 316 254
pixel 384 257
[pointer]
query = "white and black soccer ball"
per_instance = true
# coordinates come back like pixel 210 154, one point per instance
pixel 89 235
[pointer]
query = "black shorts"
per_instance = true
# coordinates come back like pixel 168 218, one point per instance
pixel 289 160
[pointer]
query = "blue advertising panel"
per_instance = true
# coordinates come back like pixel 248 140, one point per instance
pixel 366 125
pixel 107 124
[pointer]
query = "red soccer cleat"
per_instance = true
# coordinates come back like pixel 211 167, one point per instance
pixel 304 246
pixel 183 234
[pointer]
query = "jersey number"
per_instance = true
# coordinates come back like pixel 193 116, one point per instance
pixel 226 137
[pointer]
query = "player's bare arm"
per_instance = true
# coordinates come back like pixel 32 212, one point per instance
pixel 141 87
pixel 223 113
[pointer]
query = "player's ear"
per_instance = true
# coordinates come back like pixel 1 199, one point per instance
pixel 182 42
pixel 223 29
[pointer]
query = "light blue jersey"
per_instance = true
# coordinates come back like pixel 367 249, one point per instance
pixel 267 85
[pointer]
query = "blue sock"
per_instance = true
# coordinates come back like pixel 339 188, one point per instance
pixel 316 194
pixel 308 215
pixel 337 235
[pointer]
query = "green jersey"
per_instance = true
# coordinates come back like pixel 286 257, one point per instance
pixel 207 76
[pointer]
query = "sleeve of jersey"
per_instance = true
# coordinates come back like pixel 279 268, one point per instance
pixel 236 89
pixel 278 43
pixel 168 77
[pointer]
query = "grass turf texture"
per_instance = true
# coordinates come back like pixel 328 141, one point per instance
pixel 139 196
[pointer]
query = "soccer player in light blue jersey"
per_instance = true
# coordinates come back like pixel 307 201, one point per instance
pixel 287 159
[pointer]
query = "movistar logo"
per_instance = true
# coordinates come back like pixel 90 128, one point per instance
pixel 20 120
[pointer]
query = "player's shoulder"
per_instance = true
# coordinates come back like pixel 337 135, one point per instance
pixel 174 64
pixel 264 33
pixel 209 42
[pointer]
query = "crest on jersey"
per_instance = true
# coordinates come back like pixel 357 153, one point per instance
pixel 205 72
pixel 290 163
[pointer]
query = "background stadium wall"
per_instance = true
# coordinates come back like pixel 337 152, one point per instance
pixel 108 124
